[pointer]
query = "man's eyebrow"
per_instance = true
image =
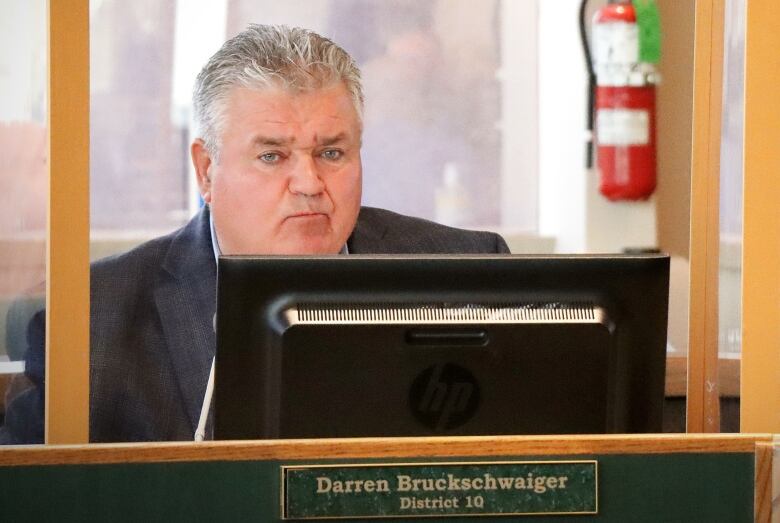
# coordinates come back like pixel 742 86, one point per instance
pixel 330 140
pixel 272 140
pixel 278 141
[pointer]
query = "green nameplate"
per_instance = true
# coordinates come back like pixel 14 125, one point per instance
pixel 439 489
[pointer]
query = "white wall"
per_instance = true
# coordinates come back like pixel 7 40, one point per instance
pixel 570 207
pixel 23 61
pixel 520 115
pixel 562 99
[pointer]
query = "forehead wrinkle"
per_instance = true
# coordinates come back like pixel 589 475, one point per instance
pixel 273 140
pixel 280 141
pixel 330 140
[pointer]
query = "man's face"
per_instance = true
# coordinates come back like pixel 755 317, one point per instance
pixel 288 179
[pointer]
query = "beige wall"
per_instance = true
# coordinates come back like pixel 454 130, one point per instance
pixel 675 106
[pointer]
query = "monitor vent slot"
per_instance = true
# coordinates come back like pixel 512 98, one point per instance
pixel 444 314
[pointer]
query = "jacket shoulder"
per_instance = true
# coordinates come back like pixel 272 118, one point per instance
pixel 380 231
pixel 131 264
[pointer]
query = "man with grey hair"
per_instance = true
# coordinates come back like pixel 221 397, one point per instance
pixel 277 159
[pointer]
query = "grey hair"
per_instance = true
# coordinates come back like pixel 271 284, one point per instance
pixel 267 56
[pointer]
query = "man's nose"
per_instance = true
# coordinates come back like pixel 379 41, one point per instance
pixel 305 178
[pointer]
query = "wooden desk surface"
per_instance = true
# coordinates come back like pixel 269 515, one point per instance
pixel 381 448
pixel 711 475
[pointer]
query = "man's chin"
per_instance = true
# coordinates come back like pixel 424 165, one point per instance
pixel 308 235
pixel 309 245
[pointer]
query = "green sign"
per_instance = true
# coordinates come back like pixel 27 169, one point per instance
pixel 439 489
pixel 648 20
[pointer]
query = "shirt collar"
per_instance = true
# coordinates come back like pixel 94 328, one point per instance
pixel 214 241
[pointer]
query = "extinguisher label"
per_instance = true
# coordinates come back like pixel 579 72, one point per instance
pixel 622 127
pixel 615 44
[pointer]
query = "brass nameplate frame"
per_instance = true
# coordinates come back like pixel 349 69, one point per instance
pixel 439 489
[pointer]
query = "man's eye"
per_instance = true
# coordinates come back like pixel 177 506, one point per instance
pixel 332 154
pixel 270 157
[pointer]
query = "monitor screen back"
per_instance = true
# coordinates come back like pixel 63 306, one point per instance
pixel 410 380
pixel 356 346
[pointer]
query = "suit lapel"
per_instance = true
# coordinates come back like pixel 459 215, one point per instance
pixel 369 234
pixel 186 301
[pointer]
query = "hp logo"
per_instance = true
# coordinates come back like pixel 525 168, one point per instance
pixel 444 396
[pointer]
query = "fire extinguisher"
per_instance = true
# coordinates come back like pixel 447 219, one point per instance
pixel 623 77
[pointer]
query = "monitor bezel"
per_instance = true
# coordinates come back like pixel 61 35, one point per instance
pixel 252 290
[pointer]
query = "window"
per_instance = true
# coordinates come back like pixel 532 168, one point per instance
pixel 23 184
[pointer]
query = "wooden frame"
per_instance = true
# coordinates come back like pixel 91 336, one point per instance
pixel 68 236
pixel 95 460
pixel 761 227
pixel 484 446
pixel 764 481
pixel 67 245
pixel 703 413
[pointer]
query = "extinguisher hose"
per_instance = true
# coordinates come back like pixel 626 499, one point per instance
pixel 591 83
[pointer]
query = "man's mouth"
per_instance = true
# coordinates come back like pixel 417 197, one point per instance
pixel 308 214
pixel 308 218
pixel 309 223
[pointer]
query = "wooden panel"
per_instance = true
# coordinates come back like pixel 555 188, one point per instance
pixel 761 226
pixel 11 384
pixel 381 448
pixel 642 479
pixel 703 397
pixel 763 500
pixel 675 101
pixel 5 381
pixel 67 264
pixel 677 377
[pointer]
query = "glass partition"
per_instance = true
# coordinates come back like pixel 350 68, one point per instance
pixel 432 130
pixel 475 116
pixel 731 174
pixel 23 179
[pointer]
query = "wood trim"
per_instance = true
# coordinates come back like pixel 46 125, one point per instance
pixel 484 446
pixel 5 381
pixel 761 226
pixel 67 253
pixel 703 397
pixel 677 377
pixel 763 496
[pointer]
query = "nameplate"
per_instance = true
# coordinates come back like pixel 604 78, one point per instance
pixel 443 489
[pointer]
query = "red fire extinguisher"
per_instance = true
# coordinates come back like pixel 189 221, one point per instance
pixel 625 122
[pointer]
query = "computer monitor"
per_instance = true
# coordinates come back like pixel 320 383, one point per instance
pixel 353 346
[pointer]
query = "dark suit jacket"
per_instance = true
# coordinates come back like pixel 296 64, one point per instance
pixel 151 328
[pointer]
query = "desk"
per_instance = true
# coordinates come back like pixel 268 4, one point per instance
pixel 640 478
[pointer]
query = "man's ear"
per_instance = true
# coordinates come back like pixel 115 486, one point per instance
pixel 201 160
